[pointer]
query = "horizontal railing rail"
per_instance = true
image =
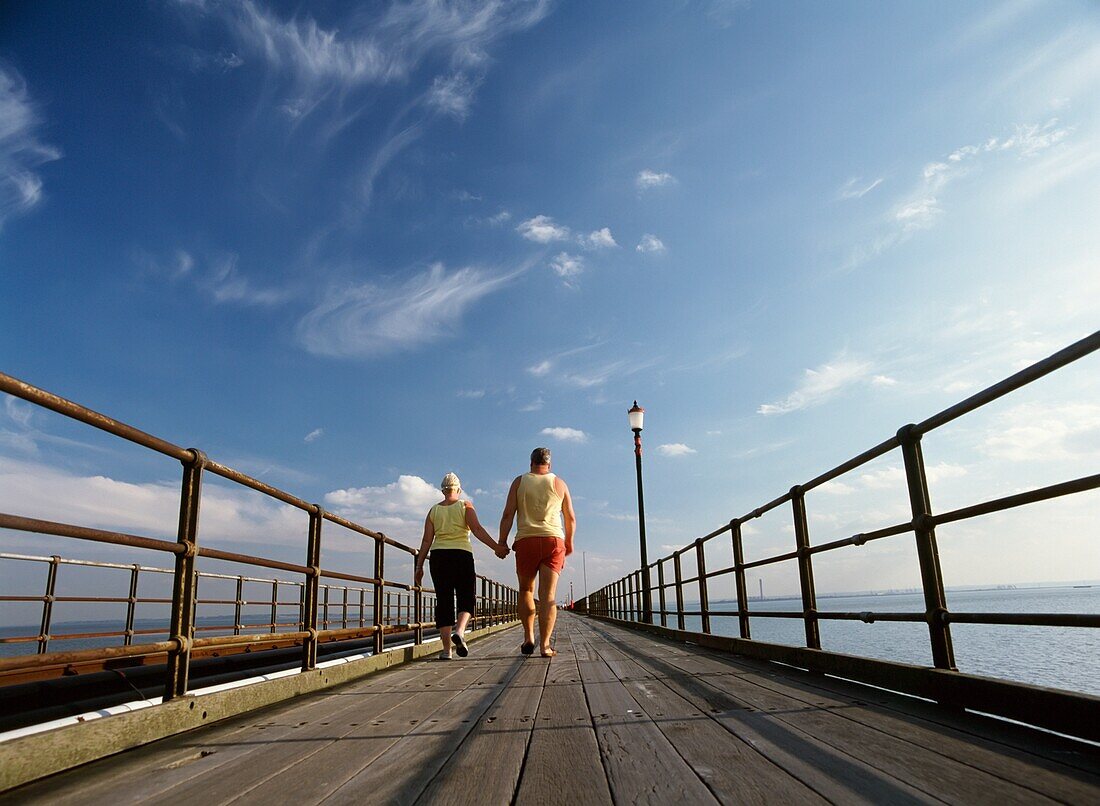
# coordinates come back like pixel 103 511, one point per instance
pixel 322 609
pixel 626 598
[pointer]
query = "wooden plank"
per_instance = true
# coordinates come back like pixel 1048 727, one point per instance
pixel 563 758
pixel 490 759
pixel 142 773
pixel 642 765
pixel 930 772
pixel 402 772
pixel 972 740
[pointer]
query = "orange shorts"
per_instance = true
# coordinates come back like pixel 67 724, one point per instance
pixel 533 552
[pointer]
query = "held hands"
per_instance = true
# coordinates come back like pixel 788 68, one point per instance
pixel 501 550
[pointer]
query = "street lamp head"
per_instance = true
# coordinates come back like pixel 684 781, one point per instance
pixel 635 414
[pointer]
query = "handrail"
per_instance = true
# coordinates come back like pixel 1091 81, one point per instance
pixel 621 599
pixel 497 602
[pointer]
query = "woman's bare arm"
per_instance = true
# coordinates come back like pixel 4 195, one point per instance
pixel 425 544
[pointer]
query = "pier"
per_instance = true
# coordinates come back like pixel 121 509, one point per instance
pixel 338 695
pixel 616 717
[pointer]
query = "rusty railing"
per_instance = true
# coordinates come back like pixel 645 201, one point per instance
pixel 622 600
pixel 394 607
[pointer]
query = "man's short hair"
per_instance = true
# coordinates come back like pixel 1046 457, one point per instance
pixel 540 456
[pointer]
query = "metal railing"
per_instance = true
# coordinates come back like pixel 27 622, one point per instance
pixel 623 599
pixel 388 601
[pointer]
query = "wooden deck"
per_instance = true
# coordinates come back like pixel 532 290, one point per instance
pixel 617 717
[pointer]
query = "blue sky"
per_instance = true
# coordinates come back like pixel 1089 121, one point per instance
pixel 349 248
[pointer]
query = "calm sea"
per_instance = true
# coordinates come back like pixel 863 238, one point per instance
pixel 1061 657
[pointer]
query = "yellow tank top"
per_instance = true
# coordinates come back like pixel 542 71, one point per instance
pixel 451 531
pixel 538 507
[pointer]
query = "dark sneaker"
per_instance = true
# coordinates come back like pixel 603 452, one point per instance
pixel 527 647
pixel 460 645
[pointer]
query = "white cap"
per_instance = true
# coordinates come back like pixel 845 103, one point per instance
pixel 450 482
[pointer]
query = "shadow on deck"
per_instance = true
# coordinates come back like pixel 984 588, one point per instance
pixel 616 717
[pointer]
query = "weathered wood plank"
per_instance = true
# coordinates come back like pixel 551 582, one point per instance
pixel 403 770
pixel 642 765
pixel 487 766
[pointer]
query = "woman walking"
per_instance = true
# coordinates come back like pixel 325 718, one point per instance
pixel 447 530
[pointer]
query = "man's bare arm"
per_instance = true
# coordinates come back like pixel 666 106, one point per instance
pixel 510 506
pixel 569 516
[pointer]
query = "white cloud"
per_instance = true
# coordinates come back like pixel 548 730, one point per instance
pixel 650 243
pixel 675 449
pixel 542 229
pixel 499 219
pixel 471 394
pixel 398 508
pixel 856 188
pixel 152 509
pixel 1033 432
pixel 315 435
pixel 541 368
pixel 647 179
pixel 883 380
pixel 818 385
pixel 534 405
pixel 893 476
pixel 367 319
pixel 21 152
pixel 565 434
pixel 567 266
pixel 598 239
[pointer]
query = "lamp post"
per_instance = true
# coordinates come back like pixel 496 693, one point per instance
pixel 635 415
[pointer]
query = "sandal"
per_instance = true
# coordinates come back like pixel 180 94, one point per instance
pixel 549 653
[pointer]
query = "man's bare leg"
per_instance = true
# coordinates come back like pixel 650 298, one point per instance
pixel 527 608
pixel 548 609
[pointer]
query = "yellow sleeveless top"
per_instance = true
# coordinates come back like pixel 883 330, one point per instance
pixel 538 507
pixel 451 531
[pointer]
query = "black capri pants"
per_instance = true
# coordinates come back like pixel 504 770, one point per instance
pixel 453 578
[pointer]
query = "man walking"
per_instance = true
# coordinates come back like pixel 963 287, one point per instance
pixel 543 541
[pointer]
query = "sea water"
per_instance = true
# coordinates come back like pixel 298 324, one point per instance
pixel 1059 657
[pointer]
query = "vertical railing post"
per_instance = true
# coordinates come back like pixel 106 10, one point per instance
pixel 389 610
pixel 805 567
pixel 275 606
pixel 661 592
pixel 704 599
pixel 484 602
pixel 131 605
pixel 935 600
pixel 181 627
pixel 739 578
pixel 311 585
pixel 344 615
pixel 679 590
pixel 47 604
pixel 379 578
pixel 645 613
pixel 362 607
pixel 237 606
pixel 418 615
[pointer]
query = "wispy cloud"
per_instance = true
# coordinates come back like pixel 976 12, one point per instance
pixel 565 434
pixel 372 319
pixel 648 179
pixel 21 152
pixel 857 188
pixel 650 244
pixel 471 394
pixel 453 95
pixel 675 449
pixel 534 405
pixel 217 276
pixel 542 229
pixel 883 380
pixel 818 385
pixel 314 435
pixel 923 205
